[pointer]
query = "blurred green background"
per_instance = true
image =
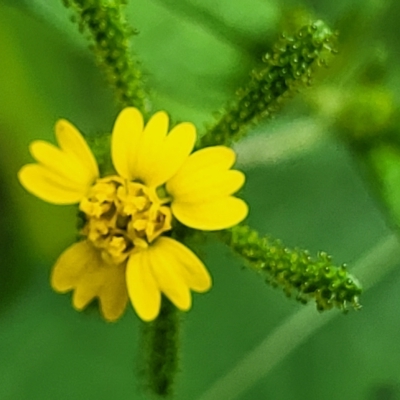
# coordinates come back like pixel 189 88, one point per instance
pixel 310 194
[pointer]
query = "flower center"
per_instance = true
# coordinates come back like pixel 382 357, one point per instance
pixel 123 217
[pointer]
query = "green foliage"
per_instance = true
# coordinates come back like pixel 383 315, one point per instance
pixel 295 271
pixel 367 116
pixel 160 346
pixel 284 71
pixel 367 122
pixel 382 164
pixel 109 35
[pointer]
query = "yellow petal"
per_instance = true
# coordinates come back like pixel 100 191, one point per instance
pixel 168 273
pixel 62 175
pixel 49 186
pixel 81 268
pixel 142 286
pixel 174 256
pixel 151 146
pixel 219 214
pixel 63 164
pixel 204 187
pixel 202 164
pixel 167 156
pixel 125 141
pixel 71 142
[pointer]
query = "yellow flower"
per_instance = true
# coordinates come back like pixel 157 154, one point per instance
pixel 124 252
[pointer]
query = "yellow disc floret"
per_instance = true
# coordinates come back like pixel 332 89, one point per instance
pixel 123 217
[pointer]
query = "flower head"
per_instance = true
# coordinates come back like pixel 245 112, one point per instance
pixel 126 251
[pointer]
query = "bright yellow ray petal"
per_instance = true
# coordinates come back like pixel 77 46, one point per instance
pixel 142 286
pixel 172 154
pixel 81 268
pixel 184 262
pixel 151 146
pixel 167 273
pixel 72 142
pixel 125 140
pixel 219 214
pixel 207 187
pixel 49 186
pixel 69 267
pixel 206 162
pixel 113 305
pixel 61 163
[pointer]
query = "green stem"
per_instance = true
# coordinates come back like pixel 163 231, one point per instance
pixel 160 348
pixel 298 328
pixel 285 70
pixel 109 35
pixel 294 270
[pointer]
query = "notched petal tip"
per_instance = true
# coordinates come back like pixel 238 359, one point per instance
pixel 63 174
pixel 81 268
pixel 63 125
pixel 202 190
pixel 183 263
pixel 222 213
pixel 72 142
pixel 162 154
pixel 169 278
pixel 143 290
pixel 159 118
pixel 201 171
pixel 48 186
pixel 125 141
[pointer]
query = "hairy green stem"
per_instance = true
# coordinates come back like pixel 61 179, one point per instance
pixel 285 70
pixel 109 35
pixel 287 337
pixel 159 348
pixel 294 270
